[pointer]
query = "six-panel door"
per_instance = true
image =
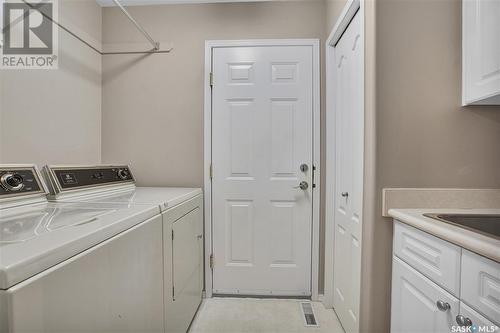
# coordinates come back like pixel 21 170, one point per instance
pixel 261 135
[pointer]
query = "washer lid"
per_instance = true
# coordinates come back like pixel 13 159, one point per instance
pixel 34 238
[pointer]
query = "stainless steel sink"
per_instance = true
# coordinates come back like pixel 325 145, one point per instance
pixel 482 223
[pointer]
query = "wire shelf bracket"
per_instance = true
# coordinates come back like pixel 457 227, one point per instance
pixel 156 46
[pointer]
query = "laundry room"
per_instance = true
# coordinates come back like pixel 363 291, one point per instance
pixel 213 166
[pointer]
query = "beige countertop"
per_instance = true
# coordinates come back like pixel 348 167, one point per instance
pixel 476 242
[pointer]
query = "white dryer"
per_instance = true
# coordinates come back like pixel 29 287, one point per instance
pixel 182 214
pixel 66 267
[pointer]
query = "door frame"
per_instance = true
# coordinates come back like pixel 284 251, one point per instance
pixel 351 8
pixel 207 181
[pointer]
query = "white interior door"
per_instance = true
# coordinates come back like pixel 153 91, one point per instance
pixel 349 174
pixel 262 121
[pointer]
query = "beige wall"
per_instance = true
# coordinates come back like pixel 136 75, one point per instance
pixel 423 137
pixel 153 105
pixel 1 115
pixel 417 134
pixel 54 116
pixel 333 10
pixel 157 100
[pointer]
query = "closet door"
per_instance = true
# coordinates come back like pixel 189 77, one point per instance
pixel 349 110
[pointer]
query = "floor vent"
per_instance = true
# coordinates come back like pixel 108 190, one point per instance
pixel 308 312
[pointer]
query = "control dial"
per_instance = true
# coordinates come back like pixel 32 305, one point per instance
pixel 12 181
pixel 123 174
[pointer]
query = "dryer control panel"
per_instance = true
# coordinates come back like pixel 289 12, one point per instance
pixel 72 178
pixel 19 180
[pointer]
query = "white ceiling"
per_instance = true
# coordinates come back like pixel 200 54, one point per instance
pixel 109 3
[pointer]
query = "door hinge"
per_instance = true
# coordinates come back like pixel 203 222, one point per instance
pixel 172 235
pixel 212 261
pixel 173 293
pixel 211 78
pixel 211 171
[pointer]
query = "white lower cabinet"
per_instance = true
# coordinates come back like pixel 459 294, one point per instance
pixel 433 257
pixel 481 285
pixel 469 317
pixel 418 304
pixel 183 266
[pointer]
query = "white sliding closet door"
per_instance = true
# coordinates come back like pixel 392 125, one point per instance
pixel 348 174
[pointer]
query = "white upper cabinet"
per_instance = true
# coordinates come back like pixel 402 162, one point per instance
pixel 481 52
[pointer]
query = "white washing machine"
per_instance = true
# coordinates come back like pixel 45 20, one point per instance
pixel 65 267
pixel 182 215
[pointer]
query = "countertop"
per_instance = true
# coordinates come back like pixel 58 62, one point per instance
pixel 473 241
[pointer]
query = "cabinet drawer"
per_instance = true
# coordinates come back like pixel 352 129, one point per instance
pixel 476 319
pixel 435 258
pixel 481 285
pixel 415 302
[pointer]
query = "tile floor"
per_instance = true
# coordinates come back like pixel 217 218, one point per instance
pixel 250 315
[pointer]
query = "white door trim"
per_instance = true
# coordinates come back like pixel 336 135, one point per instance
pixel 350 9
pixel 207 185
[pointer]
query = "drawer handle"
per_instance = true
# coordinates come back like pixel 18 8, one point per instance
pixel 443 306
pixel 463 321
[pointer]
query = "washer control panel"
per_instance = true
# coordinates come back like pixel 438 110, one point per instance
pixel 19 180
pixel 83 177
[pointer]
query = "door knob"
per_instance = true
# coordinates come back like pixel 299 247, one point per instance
pixel 303 186
pixel 443 306
pixel 345 194
pixel 463 321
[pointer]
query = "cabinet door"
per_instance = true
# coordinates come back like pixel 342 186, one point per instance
pixel 481 52
pixel 481 284
pixel 414 302
pixel 480 323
